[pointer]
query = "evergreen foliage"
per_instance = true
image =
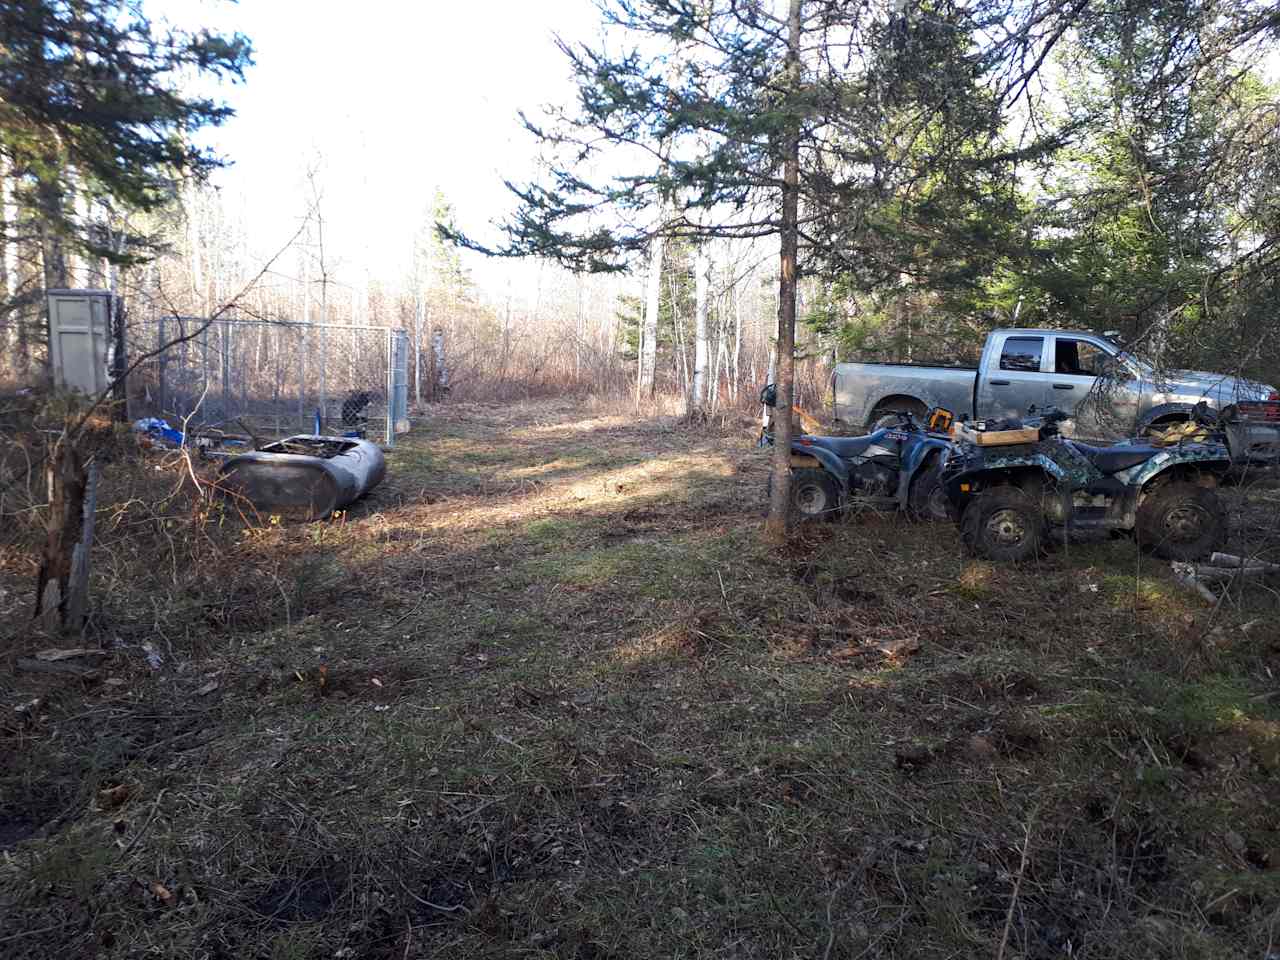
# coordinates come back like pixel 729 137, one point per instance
pixel 94 103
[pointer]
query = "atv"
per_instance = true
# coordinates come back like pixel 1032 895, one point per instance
pixel 1014 484
pixel 897 466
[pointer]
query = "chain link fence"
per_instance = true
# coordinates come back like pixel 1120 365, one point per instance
pixel 277 378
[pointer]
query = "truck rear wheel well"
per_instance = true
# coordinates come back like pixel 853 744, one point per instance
pixel 898 403
pixel 1164 415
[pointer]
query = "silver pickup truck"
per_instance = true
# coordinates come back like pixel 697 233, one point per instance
pixel 1109 392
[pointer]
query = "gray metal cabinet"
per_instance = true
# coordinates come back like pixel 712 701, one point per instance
pixel 80 339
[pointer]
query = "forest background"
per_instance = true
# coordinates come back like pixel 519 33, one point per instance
pixel 1134 188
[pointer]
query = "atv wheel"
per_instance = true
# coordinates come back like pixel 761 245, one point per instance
pixel 928 499
pixel 1003 524
pixel 815 495
pixel 1182 522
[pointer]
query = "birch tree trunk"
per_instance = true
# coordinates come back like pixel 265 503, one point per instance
pixel 701 287
pixel 649 335
pixel 736 369
pixel 439 368
pixel 417 348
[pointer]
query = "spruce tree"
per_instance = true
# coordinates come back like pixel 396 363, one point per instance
pixel 92 104
pixel 801 121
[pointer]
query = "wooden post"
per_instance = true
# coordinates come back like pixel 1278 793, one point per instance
pixel 77 600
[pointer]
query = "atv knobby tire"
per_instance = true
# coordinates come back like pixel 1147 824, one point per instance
pixel 1182 522
pixel 815 495
pixel 1003 524
pixel 928 500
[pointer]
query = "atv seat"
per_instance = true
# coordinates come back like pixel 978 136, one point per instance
pixel 1111 460
pixel 842 447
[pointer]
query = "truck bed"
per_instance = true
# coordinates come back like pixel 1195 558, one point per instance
pixel 934 365
pixel 862 388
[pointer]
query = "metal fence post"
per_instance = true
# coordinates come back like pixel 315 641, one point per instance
pixel 323 354
pixel 391 389
pixel 203 393
pixel 277 346
pixel 302 375
pixel 226 369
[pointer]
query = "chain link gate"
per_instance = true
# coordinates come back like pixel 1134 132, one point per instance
pixel 278 378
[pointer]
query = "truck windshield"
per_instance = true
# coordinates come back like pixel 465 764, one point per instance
pixel 1144 368
pixel 1132 358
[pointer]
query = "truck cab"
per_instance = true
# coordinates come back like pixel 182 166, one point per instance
pixel 1059 368
pixel 1109 392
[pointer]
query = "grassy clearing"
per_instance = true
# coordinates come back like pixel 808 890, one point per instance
pixel 547 694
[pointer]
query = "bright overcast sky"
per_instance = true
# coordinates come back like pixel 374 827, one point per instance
pixel 397 97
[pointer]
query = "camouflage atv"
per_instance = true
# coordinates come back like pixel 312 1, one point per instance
pixel 1011 497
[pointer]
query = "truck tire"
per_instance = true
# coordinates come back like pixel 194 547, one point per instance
pixel 1003 524
pixel 928 498
pixel 1182 521
pixel 815 495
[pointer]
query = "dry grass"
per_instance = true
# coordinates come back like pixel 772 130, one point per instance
pixel 546 694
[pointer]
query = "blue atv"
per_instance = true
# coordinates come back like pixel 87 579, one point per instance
pixel 1011 495
pixel 898 466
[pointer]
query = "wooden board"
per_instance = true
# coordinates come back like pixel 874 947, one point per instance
pixel 998 438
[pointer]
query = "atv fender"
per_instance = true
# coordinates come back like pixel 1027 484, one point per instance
pixel 1036 463
pixel 1201 458
pixel 826 459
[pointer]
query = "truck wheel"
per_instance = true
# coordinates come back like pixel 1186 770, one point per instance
pixel 1182 522
pixel 928 500
pixel 1003 524
pixel 815 495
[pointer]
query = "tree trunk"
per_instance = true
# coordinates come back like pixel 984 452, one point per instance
pixel 439 369
pixel 8 275
pixel 777 526
pixel 52 251
pixel 417 349
pixel 62 585
pixel 701 287
pixel 649 339
pixel 735 373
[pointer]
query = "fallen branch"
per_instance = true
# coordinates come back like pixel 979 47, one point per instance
pixel 1017 887
pixel 1243 563
pixel 29 665
pixel 1230 573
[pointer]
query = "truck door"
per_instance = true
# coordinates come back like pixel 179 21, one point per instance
pixel 1089 383
pixel 1012 379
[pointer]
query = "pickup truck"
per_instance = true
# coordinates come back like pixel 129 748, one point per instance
pixel 1108 391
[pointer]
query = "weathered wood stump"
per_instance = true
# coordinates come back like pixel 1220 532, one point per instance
pixel 62 587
